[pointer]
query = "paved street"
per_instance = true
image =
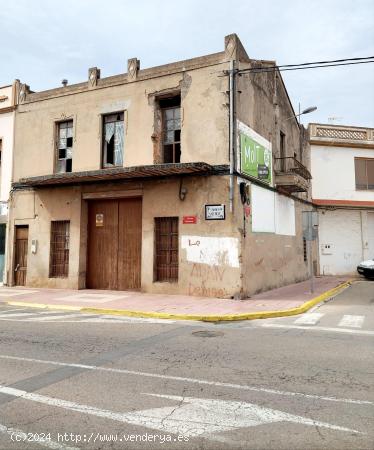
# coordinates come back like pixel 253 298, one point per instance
pixel 91 381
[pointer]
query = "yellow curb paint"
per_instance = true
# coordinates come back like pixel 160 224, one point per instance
pixel 220 318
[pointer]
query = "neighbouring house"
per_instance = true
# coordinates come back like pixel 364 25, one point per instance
pixel 8 104
pixel 342 166
pixel 186 178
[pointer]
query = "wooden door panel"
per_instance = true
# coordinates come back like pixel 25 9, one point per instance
pixel 102 255
pixel 20 262
pixel 129 243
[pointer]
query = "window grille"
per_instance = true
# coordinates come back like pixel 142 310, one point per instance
pixel 60 245
pixel 305 250
pixel 166 251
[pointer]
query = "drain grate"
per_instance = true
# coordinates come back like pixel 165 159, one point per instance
pixel 206 333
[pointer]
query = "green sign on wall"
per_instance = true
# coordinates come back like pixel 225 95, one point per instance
pixel 256 157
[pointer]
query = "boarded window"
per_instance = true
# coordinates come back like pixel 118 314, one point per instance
pixel 166 249
pixel 113 140
pixel 171 129
pixel 364 171
pixel 64 147
pixel 60 244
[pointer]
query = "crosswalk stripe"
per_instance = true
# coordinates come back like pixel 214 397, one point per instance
pixel 309 319
pixel 351 321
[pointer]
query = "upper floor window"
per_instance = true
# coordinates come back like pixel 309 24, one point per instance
pixel 113 140
pixel 364 171
pixel 64 146
pixel 171 129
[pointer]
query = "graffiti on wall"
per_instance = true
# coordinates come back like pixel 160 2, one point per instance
pixel 213 251
pixel 204 279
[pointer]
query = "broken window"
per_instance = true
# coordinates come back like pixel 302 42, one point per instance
pixel 166 249
pixel 113 140
pixel 171 129
pixel 364 171
pixel 59 251
pixel 65 147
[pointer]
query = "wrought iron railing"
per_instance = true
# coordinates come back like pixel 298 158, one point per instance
pixel 290 164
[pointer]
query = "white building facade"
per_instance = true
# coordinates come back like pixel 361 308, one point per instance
pixel 7 117
pixel 342 166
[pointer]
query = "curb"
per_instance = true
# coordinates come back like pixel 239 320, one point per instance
pixel 209 318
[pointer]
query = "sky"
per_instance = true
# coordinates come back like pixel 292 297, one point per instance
pixel 44 41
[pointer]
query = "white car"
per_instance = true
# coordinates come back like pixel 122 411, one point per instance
pixel 366 268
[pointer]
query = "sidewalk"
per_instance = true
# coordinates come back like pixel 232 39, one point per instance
pixel 288 300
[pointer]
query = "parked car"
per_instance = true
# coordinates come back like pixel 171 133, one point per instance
pixel 366 268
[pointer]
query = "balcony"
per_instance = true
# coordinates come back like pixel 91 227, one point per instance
pixel 291 175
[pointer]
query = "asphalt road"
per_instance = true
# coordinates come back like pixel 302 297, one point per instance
pixel 103 382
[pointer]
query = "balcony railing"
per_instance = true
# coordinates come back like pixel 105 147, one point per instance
pixel 291 165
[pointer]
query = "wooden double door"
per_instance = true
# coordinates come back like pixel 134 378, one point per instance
pixel 114 244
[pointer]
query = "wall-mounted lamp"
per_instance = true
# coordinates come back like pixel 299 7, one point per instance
pixel 182 191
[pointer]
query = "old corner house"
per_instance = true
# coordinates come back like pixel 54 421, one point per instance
pixel 186 178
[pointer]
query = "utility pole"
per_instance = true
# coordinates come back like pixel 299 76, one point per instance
pixel 232 138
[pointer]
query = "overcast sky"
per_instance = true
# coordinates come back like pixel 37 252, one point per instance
pixel 43 41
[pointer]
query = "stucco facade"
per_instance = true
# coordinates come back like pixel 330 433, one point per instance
pixel 217 258
pixel 346 209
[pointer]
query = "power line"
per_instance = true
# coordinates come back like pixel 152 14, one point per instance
pixel 311 65
pixel 327 62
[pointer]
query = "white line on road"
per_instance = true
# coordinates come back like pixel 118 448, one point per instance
pixel 192 422
pixel 108 318
pixel 309 318
pixel 12 310
pixel 53 317
pixel 18 314
pixel 20 436
pixel 190 380
pixel 334 330
pixel 351 321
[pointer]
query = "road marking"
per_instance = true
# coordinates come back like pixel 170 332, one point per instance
pixel 351 321
pixel 3 311
pixel 197 416
pixel 334 330
pixel 190 380
pixel 49 316
pixel 53 317
pixel 23 437
pixel 192 417
pixel 108 318
pixel 309 318
pixel 18 314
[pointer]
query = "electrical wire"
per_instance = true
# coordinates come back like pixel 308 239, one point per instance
pixel 311 65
